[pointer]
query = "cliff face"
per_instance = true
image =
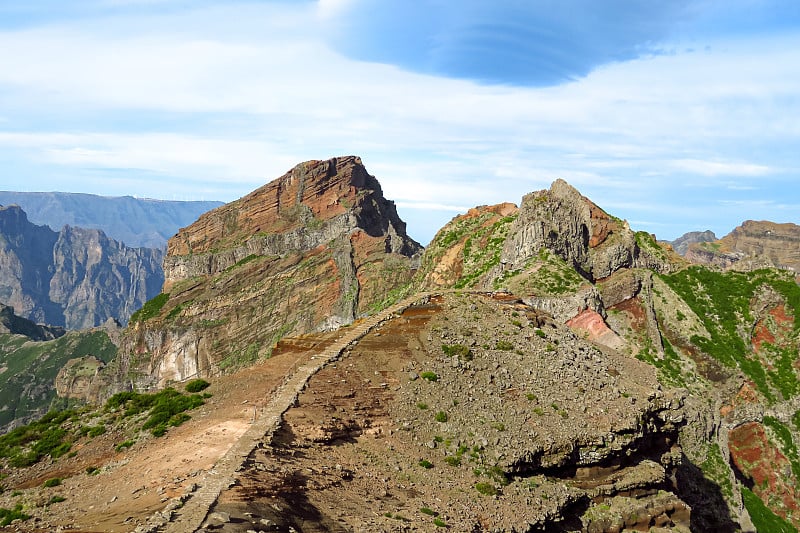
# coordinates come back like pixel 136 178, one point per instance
pixel 76 278
pixel 754 244
pixel 309 251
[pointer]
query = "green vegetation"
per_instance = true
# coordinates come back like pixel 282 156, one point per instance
pixel 646 242
pixel 552 276
pixel 722 302
pixel 424 463
pixel 763 518
pixel 52 482
pixel 441 416
pixel 165 408
pixel 784 436
pixel 92 470
pixel 96 431
pixel 18 356
pixel 453 460
pixel 457 350
pixel 29 444
pixel 150 309
pixel 422 406
pixel 56 499
pixel 197 385
pixel 428 511
pixel 429 376
pixel 503 345
pixel 485 488
pixel 438 522
pixel 717 470
pixel 125 445
pixel 9 515
pixel 669 367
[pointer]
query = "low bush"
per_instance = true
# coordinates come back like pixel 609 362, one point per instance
pixel 197 385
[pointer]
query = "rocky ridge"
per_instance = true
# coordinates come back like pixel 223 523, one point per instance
pixel 75 278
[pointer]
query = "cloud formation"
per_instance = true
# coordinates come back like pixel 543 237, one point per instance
pixel 647 111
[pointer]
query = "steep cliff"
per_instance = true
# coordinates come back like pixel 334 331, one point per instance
pixel 76 278
pixel 309 251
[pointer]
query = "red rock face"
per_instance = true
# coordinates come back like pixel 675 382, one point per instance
pixel 768 469
pixel 327 188
pixel 774 328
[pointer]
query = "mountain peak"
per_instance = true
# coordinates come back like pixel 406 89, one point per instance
pixel 307 198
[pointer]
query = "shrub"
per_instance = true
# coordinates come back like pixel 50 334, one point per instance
pixel 453 460
pixel 52 482
pixel 197 385
pixel 422 406
pixel 56 499
pixel 92 470
pixel 457 350
pixel 503 345
pixel 9 515
pixel 96 431
pixel 441 416
pixel 486 489
pixel 438 522
pixel 430 376
pixel 424 463
pixel 123 445
pixel 540 333
pixel 428 511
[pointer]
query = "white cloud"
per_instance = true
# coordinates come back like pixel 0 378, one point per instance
pixel 719 168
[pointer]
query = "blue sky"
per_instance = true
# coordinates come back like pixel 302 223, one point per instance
pixel 676 115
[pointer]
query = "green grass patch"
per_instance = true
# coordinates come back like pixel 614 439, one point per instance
pixel 486 488
pixel 429 376
pixel 52 482
pixel 763 517
pixel 441 416
pixel 151 308
pixel 457 350
pixel 9 515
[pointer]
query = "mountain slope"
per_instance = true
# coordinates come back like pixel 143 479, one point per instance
pixel 137 222
pixel 77 278
pixel 309 251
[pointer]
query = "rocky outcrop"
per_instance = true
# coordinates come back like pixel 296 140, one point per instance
pixel 682 243
pixel 753 245
pixel 310 251
pixel 586 237
pixel 137 222
pixel 77 278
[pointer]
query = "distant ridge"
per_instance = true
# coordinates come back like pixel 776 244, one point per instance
pixel 136 222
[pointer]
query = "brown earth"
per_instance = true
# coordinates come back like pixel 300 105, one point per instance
pixel 135 483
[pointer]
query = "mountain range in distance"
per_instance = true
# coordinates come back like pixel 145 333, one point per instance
pixel 137 222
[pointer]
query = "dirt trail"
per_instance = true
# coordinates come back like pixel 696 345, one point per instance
pixel 192 513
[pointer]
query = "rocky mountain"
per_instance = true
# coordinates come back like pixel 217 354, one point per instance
pixel 136 222
pixel 75 278
pixel 538 368
pixel 751 246
pixel 310 251
pixel 682 243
